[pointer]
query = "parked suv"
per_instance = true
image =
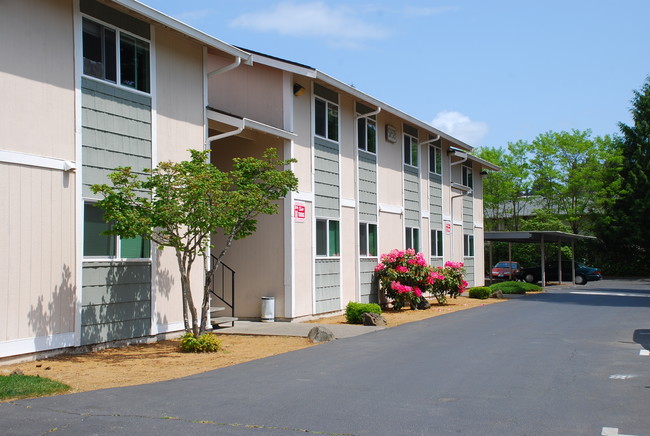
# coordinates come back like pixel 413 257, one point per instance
pixel 584 273
pixel 503 270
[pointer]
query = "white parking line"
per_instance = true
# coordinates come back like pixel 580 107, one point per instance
pixel 612 294
pixel 644 353
pixel 612 431
pixel 622 376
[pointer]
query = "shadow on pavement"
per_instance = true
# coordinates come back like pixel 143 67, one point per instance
pixel 642 337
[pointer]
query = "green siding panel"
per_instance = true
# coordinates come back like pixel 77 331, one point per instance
pixel 367 284
pixel 328 285
pixel 411 200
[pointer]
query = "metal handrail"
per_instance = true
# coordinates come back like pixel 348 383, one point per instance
pixel 222 295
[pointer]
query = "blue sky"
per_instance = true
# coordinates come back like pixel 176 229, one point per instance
pixel 486 72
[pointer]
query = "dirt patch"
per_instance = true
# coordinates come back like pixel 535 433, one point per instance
pixel 148 363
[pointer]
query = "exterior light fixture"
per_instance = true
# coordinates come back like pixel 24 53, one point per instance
pixel 298 89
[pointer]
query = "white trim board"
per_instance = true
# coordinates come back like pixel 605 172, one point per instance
pixel 36 344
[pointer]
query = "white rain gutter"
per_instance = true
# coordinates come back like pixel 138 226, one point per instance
pixel 370 114
pixel 237 131
pixel 226 68
pixel 430 141
pixel 460 154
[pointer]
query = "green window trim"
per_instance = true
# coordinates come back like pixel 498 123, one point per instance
pixel 435 159
pixel 410 150
pixel 368 240
pixel 468 245
pixel 367 135
pixel 328 238
pixel 326 119
pixel 436 243
pixel 412 238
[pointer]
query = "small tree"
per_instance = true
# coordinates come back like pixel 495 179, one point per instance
pixel 182 204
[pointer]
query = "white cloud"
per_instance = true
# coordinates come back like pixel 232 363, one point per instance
pixel 316 19
pixel 461 127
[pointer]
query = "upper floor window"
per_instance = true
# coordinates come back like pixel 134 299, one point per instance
pixel 97 244
pixel 468 245
pixel 327 119
pixel 436 243
pixel 115 56
pixel 367 239
pixel 468 177
pixel 413 238
pixel 367 134
pixel 435 159
pixel 410 150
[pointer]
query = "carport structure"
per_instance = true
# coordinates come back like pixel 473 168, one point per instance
pixel 538 237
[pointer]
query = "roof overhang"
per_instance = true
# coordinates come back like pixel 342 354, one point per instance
pixel 237 122
pixel 171 23
pixel 535 237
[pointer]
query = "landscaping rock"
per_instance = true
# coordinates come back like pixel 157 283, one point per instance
pixel 320 334
pixel 374 319
pixel 497 294
pixel 424 304
pixel 17 372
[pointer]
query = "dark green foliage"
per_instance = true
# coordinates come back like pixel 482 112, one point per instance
pixel 28 386
pixel 515 287
pixel 206 343
pixel 480 292
pixel 627 240
pixel 354 311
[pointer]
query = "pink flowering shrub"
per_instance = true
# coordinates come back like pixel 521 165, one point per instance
pixel 450 281
pixel 404 276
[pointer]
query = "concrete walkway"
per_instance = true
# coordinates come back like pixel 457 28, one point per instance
pixel 299 329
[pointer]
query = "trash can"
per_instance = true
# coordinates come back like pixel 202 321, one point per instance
pixel 268 309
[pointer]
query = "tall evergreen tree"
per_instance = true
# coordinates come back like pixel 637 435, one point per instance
pixel 623 228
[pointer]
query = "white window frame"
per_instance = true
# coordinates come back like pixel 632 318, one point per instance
pixel 118 70
pixel 366 121
pixel 328 104
pixel 364 230
pixel 435 157
pixel 468 245
pixel 412 240
pixel 408 157
pixel 328 242
pixel 437 240
pixel 467 176
pixel 117 241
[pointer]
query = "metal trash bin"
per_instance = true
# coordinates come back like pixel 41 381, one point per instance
pixel 268 309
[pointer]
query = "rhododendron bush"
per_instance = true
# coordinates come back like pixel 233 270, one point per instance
pixel 404 276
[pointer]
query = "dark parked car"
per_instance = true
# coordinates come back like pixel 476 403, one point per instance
pixel 501 270
pixel 584 273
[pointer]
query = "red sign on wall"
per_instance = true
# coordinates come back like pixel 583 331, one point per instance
pixel 299 211
pixel 448 227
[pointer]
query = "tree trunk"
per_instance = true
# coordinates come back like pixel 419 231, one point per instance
pixel 185 267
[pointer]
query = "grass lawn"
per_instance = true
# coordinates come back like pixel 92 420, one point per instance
pixel 16 386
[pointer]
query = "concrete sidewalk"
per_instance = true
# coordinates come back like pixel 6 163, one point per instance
pixel 299 329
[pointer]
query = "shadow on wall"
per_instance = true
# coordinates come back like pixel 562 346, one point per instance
pixel 164 285
pixel 57 315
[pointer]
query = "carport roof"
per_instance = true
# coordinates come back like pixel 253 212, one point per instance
pixel 535 236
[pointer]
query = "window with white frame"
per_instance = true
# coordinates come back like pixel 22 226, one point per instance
pixel 367 239
pixel 436 243
pixel 326 119
pixel 468 176
pixel 413 238
pixel 98 245
pixel 435 159
pixel 115 56
pixel 410 150
pixel 367 135
pixel 328 238
pixel 468 245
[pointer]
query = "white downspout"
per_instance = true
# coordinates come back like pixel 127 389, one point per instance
pixel 370 114
pixel 430 141
pixel 226 68
pixel 237 131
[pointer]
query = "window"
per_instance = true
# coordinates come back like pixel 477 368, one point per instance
pixel 328 240
pixel 468 178
pixel 327 119
pixel 435 159
pixel 367 134
pixel 468 246
pixel 368 239
pixel 413 238
pixel 410 150
pixel 97 244
pixel 102 55
pixel 436 243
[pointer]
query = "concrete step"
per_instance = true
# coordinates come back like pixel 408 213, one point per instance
pixel 215 310
pixel 223 320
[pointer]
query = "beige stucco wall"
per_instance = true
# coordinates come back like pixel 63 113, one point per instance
pixel 253 92
pixel 390 179
pixel 37 216
pixel 37 78
pixel 303 264
pixel 179 126
pixel 302 144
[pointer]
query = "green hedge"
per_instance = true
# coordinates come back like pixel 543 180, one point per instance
pixel 515 287
pixel 480 292
pixel 354 311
